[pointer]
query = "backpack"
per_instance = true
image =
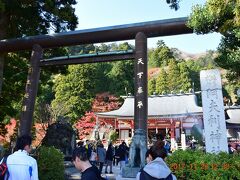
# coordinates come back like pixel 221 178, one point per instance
pixel 146 176
pixel 3 168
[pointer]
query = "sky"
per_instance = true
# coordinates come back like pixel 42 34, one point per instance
pixel 103 13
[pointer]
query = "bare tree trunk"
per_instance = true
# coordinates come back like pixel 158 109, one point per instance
pixel 3 22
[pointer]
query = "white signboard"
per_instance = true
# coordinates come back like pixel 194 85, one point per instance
pixel 213 111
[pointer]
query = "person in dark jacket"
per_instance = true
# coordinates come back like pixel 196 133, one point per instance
pixel 109 158
pixel 81 162
pixel 122 152
pixel 116 156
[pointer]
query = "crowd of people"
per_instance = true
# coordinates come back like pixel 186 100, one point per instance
pixel 90 158
pixel 98 156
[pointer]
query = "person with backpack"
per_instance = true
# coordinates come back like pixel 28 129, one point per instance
pixel 81 162
pixel 156 168
pixel 20 165
pixel 3 168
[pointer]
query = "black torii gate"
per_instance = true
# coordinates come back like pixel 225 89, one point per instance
pixel 138 31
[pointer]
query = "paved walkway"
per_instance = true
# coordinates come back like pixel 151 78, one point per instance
pixel 73 174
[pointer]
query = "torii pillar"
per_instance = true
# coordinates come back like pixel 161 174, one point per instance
pixel 140 89
pixel 139 141
pixel 26 118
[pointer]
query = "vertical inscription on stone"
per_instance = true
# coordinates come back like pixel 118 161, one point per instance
pixel 213 111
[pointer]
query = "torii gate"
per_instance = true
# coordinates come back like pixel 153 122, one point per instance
pixel 138 31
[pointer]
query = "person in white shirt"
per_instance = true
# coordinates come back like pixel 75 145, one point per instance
pixel 20 164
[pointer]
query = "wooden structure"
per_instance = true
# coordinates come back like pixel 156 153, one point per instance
pixel 138 31
pixel 168 114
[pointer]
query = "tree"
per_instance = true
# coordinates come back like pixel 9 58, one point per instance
pixel 222 17
pixel 36 17
pixel 103 48
pixel 15 76
pixel 85 125
pixel 194 72
pixel 173 4
pixel 160 56
pixel 9 130
pixel 122 74
pixel 173 76
pixel 161 82
pixel 184 79
pixel 24 18
pixel 151 86
pixel 81 49
pixel 106 102
pixel 102 73
pixel 75 91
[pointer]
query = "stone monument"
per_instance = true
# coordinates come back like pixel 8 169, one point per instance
pixel 213 111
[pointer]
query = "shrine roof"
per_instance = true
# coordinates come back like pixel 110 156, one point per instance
pixel 167 106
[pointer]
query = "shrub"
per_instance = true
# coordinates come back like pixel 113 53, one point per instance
pixel 199 165
pixel 50 163
pixel 113 136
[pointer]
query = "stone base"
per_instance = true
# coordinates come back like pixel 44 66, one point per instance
pixel 130 172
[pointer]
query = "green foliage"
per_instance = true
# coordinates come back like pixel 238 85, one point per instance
pixel 184 80
pixel 121 76
pixel 113 136
pixel 81 49
pixel 38 17
pixel 207 61
pixel 229 57
pixel 103 80
pixel 50 163
pixel 24 18
pixel 151 86
pixel 15 75
pixel 74 92
pixel 161 82
pixel 199 165
pixel 173 76
pixel 160 56
pixel 223 17
pixel 173 4
pixel 230 91
pixel 215 16
pixel 194 71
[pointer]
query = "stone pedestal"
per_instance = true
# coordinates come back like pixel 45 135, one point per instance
pixel 130 172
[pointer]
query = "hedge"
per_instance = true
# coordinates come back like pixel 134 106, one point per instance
pixel 50 163
pixel 197 164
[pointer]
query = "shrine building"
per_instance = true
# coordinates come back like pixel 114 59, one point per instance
pixel 167 114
